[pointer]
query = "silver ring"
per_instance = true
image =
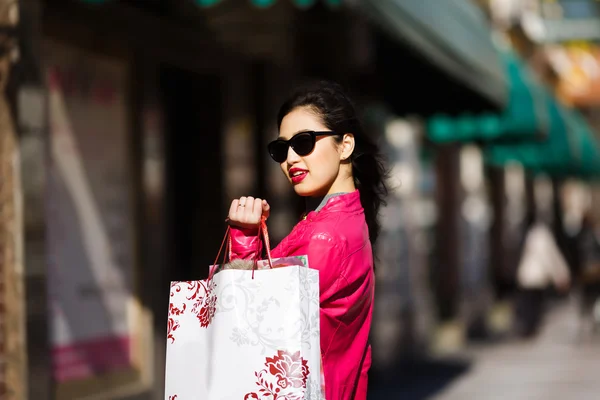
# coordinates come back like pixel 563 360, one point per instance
pixel 242 205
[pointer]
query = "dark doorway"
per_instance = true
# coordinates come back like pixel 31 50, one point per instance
pixel 194 188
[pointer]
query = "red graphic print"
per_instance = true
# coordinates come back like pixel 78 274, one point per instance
pixel 284 377
pixel 207 311
pixel 172 326
pixel 204 301
pixel 290 368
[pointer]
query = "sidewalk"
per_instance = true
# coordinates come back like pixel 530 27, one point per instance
pixel 553 366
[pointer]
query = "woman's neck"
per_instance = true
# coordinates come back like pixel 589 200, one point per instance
pixel 343 184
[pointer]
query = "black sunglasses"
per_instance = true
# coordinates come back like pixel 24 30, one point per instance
pixel 302 143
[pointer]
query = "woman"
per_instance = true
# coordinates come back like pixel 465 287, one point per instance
pixel 326 156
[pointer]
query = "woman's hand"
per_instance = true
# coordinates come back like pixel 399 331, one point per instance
pixel 246 212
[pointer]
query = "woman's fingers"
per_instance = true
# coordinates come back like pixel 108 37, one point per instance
pixel 247 211
pixel 257 208
pixel 233 208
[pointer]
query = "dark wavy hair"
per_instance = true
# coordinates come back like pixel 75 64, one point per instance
pixel 328 101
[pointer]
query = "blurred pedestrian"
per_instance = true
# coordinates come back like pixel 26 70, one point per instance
pixel 329 160
pixel 542 265
pixel 589 275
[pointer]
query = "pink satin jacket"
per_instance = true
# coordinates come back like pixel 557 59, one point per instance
pixel 336 241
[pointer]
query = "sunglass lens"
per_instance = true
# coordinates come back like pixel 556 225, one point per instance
pixel 303 144
pixel 278 150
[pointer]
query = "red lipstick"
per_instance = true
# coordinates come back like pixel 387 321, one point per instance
pixel 297 175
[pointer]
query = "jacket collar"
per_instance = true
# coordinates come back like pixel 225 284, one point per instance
pixel 349 202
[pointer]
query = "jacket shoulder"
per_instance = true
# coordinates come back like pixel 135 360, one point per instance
pixel 328 231
pixel 327 228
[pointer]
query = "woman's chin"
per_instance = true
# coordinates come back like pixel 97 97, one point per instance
pixel 308 191
pixel 303 190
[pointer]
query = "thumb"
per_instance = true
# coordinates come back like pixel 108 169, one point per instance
pixel 265 208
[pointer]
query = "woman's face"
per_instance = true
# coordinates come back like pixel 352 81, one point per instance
pixel 316 173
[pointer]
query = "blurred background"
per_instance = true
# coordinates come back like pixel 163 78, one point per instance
pixel 127 127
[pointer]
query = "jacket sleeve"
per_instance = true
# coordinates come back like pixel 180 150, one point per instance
pixel 245 244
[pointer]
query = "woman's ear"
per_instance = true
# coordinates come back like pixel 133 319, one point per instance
pixel 347 146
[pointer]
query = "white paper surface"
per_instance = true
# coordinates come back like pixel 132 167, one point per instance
pixel 263 341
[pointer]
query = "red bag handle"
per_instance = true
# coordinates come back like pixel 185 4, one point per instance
pixel 265 232
pixel 262 229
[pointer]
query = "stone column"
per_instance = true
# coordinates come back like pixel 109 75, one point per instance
pixel 13 359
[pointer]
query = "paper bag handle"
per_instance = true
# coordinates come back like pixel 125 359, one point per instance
pixel 265 233
pixel 262 229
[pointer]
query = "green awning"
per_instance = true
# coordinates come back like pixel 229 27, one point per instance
pixel 585 145
pixel 454 35
pixel 542 155
pixel 570 149
pixel 524 118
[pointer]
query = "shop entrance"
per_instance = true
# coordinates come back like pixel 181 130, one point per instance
pixel 194 184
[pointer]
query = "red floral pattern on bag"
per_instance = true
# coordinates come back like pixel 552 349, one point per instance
pixel 284 377
pixel 172 326
pixel 204 304
pixel 289 368
pixel 207 311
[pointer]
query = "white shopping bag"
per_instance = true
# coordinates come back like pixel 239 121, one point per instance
pixel 246 334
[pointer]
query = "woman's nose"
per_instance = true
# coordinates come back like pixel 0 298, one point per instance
pixel 292 157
